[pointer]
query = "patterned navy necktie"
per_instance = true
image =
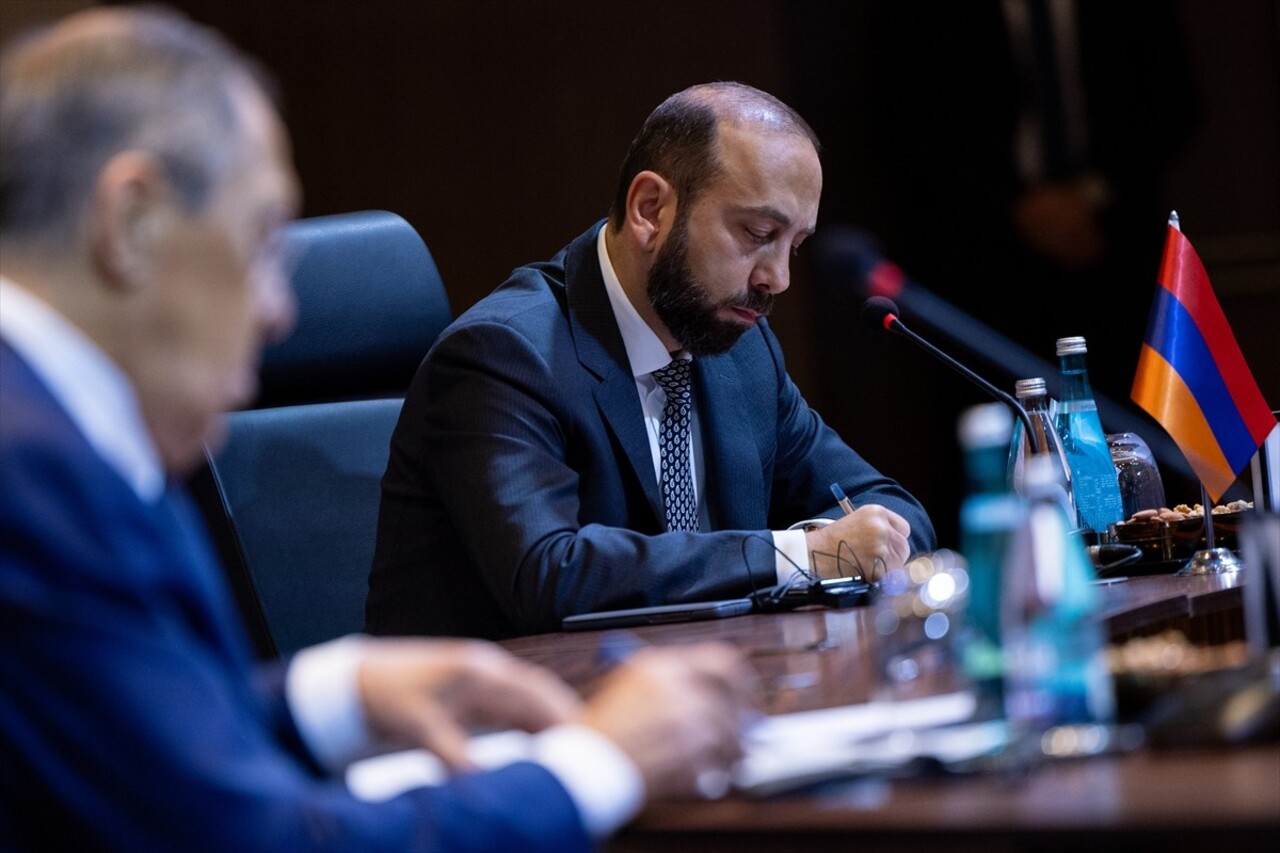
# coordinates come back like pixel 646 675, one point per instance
pixel 673 446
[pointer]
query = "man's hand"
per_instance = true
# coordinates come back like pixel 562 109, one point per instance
pixel 427 693
pixel 871 539
pixel 677 712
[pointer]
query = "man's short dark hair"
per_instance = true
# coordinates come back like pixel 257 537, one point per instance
pixel 679 139
pixel 140 78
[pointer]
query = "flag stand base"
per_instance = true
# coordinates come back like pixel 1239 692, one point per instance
pixel 1211 561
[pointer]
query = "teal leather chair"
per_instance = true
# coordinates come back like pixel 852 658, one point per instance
pixel 291 497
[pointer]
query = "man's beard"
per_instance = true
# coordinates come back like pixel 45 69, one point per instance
pixel 682 303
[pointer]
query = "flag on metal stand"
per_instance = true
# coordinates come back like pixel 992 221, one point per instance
pixel 1192 377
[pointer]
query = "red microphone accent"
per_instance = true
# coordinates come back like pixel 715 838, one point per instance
pixel 886 279
pixel 888 321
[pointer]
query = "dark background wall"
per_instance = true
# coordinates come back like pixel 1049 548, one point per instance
pixel 496 128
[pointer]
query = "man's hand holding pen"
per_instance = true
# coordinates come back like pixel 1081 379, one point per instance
pixel 868 541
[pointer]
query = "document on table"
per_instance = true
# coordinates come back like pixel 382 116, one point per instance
pixel 783 751
pixel 789 751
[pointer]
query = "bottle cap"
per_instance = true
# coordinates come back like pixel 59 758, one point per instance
pixel 1024 388
pixel 1071 346
pixel 985 425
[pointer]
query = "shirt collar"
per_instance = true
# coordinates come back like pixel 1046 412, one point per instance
pixel 645 351
pixel 92 389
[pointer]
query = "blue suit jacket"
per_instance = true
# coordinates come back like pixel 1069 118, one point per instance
pixel 131 717
pixel 521 488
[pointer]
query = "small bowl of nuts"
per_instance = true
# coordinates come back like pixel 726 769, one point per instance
pixel 1176 533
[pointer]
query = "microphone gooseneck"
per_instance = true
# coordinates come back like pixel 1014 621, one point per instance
pixel 879 312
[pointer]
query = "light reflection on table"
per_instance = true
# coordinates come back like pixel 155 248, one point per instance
pixel 1147 800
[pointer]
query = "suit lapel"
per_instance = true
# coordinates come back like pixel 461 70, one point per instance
pixel 734 482
pixel 601 352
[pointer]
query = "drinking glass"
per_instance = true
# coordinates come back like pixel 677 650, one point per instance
pixel 918 615
pixel 1136 471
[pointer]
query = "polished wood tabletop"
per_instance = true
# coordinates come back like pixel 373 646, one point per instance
pixel 815 658
pixel 1196 800
pixel 818 657
pixel 1147 601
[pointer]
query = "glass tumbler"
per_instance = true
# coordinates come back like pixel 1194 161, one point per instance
pixel 1136 471
pixel 918 615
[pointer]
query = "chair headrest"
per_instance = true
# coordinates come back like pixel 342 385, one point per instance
pixel 370 304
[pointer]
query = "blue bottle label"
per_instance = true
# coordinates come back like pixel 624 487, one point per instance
pixel 1093 475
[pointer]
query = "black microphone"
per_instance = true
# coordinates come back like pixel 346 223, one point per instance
pixel 879 312
pixel 853 257
pixel 849 258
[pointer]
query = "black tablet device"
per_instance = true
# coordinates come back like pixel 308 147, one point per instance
pixel 659 615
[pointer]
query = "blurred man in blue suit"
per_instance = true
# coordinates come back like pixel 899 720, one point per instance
pixel 535 472
pixel 144 177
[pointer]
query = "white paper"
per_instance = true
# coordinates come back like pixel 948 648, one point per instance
pixel 788 749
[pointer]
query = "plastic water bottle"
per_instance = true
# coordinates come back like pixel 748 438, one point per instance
pixel 1093 476
pixel 1054 644
pixel 989 516
pixel 1034 397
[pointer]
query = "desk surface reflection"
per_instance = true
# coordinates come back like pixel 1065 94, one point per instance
pixel 1146 800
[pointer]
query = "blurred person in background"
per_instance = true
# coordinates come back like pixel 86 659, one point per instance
pixel 1025 144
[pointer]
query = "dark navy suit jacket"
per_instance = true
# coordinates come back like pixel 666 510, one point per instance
pixel 131 717
pixel 521 486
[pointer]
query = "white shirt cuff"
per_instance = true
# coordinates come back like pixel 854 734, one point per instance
pixel 603 782
pixel 793 551
pixel 323 695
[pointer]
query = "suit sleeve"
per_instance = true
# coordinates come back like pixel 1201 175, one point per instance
pixel 127 722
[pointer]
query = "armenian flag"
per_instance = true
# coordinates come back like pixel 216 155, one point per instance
pixel 1192 377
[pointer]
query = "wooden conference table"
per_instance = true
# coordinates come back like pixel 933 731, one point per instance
pixel 1225 798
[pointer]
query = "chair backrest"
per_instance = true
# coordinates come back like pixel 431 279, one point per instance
pixel 291 498
pixel 370 304
pixel 300 488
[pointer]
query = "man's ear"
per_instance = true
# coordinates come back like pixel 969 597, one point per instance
pixel 651 209
pixel 126 214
